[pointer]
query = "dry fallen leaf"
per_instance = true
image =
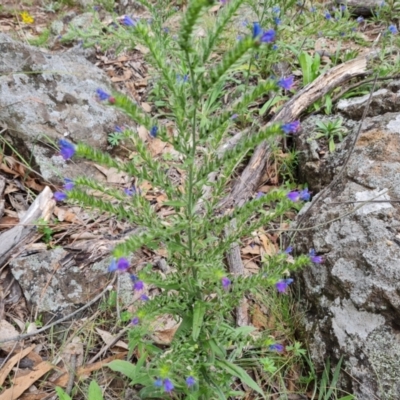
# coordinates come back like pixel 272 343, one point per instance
pixel 7 331
pixel 164 328
pixel 268 246
pixel 108 338
pixel 146 107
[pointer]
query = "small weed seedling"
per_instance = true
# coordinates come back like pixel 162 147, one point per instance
pixel 330 130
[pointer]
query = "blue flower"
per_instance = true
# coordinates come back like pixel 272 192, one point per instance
pixel 392 29
pixel 143 297
pixel 277 21
pixel 138 286
pixel 118 129
pixel 275 47
pixel 67 149
pixel 190 381
pixel 297 195
pixel 342 7
pixel 257 31
pixel 158 382
pixel 314 258
pixel 135 321
pixel 122 264
pixel 328 16
pixel 360 19
pixel 276 10
pixel 288 250
pixel 102 95
pixel 268 36
pixel 69 184
pixel 283 284
pixel 130 192
pixel 168 386
pixel 291 127
pixel 60 196
pixel 133 277
pixel 286 83
pixel 128 21
pixel 259 195
pixel 234 116
pixel 182 79
pixel 313 9
pixel 225 282
pixel 276 347
pixel 153 131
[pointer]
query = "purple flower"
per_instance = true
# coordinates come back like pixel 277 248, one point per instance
pixel 225 282
pixel 342 7
pixel 288 250
pixel 286 83
pixel 165 30
pixel 138 286
pixel 234 116
pixel 143 297
pixel 183 79
pixel 118 129
pixel 102 95
pixel 259 195
pixel 133 277
pixel 268 36
pixel 153 131
pixel 297 195
pixel 283 284
pixel 128 21
pixel 190 381
pixel 314 258
pixel 122 264
pixel 392 29
pixel 313 9
pixel 276 347
pixel 276 10
pixel 131 191
pixel 60 196
pixel 67 149
pixel 328 15
pixel 69 184
pixel 168 386
pixel 360 19
pixel 135 321
pixel 291 127
pixel 158 382
pixel 257 31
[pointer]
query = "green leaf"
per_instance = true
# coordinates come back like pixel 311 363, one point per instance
pixel 271 102
pixel 61 394
pixel 332 146
pixel 95 392
pixel 240 373
pixel 198 316
pixel 174 203
pixel 125 367
pixel 305 64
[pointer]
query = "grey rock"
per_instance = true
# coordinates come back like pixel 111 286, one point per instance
pixel 365 8
pixel 352 300
pixel 46 97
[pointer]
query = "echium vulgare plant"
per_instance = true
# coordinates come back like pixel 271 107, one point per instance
pixel 203 359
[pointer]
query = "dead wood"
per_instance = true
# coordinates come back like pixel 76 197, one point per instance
pixel 41 208
pixel 246 185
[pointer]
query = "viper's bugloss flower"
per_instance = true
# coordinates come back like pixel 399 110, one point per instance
pixel 314 258
pixel 275 47
pixel 168 386
pixel 122 264
pixel 182 78
pixel 234 116
pixel 133 277
pixel 135 321
pixel 276 9
pixel 286 83
pixel 67 149
pixel 259 195
pixel 158 382
pixel 268 36
pixel 69 184
pixel 128 21
pixel 342 7
pixel 138 286
pixel 313 9
pixel 118 129
pixel 226 282
pixel 392 29
pixel 130 192
pixel 190 381
pixel 291 127
pixel 360 19
pixel 153 131
pixel 257 31
pixel 297 195
pixel 102 95
pixel 143 297
pixel 276 347
pixel 328 16
pixel 60 196
pixel 277 21
pixel 288 250
pixel 283 284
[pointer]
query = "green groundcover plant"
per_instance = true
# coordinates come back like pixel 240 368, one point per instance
pixel 203 361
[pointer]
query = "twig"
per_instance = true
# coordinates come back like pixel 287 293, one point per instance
pixel 45 328
pixel 71 376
